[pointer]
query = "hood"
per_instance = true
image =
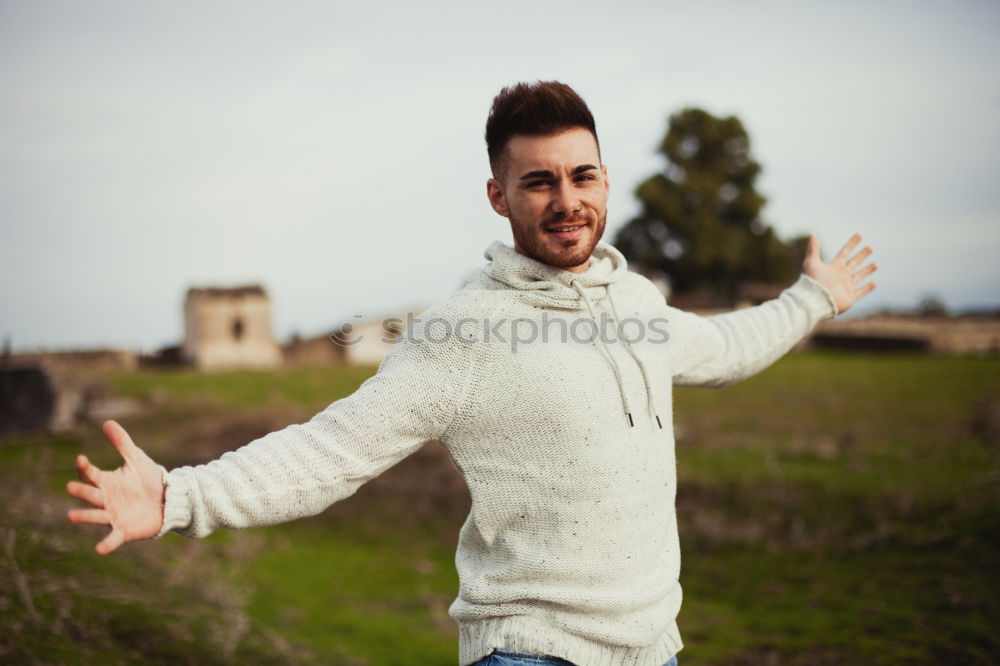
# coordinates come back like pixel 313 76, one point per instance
pixel 547 286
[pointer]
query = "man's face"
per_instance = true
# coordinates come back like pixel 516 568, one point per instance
pixel 554 191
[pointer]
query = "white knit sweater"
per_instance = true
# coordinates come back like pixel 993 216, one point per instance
pixel 565 442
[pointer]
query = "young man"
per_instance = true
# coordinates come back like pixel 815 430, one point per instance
pixel 548 379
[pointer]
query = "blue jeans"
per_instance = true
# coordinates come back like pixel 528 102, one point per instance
pixel 507 658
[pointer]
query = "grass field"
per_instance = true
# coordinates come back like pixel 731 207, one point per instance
pixel 836 509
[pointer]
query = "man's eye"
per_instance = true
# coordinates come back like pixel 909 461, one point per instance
pixel 537 183
pixel 585 176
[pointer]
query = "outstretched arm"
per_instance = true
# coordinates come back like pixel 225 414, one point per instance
pixel 842 274
pixel 294 472
pixel 129 499
pixel 722 349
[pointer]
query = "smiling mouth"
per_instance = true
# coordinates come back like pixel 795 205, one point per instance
pixel 566 231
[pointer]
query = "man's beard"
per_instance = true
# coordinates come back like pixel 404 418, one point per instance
pixel 552 253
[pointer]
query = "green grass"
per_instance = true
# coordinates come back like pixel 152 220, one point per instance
pixel 836 509
pixel 377 596
pixel 840 509
pixel 310 387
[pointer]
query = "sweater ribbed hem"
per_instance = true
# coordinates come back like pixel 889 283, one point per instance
pixel 177 503
pixel 478 638
pixel 826 310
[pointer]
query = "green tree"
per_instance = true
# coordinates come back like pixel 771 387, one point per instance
pixel 701 216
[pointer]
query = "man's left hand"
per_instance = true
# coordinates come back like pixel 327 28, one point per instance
pixel 842 274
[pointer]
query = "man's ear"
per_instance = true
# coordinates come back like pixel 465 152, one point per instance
pixel 607 183
pixel 494 192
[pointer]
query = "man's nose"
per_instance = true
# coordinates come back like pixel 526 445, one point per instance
pixel 565 200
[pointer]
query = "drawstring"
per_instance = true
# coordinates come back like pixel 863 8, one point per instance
pixel 607 353
pixel 650 395
pixel 614 364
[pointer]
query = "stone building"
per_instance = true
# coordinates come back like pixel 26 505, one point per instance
pixel 369 342
pixel 227 328
pixel 356 342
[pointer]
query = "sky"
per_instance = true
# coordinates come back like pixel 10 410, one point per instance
pixel 333 151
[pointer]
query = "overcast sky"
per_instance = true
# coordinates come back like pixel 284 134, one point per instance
pixel 333 151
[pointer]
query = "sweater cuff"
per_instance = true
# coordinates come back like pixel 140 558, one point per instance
pixel 817 298
pixel 176 504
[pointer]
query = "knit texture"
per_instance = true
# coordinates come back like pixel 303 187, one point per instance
pixel 563 437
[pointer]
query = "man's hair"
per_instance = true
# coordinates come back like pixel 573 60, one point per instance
pixel 542 108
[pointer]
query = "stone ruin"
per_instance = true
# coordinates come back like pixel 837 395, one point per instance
pixel 54 390
pixel 227 328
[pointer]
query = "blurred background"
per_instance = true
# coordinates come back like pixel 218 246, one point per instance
pixel 196 196
pixel 333 152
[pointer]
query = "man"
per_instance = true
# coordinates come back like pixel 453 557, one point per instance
pixel 557 415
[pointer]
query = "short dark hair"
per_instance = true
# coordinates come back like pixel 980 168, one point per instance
pixel 536 109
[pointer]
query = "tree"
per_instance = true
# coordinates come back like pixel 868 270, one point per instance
pixel 701 216
pixel 931 305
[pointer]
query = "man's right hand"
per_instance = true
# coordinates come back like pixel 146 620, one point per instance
pixel 129 499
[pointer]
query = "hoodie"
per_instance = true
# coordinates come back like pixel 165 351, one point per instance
pixel 551 392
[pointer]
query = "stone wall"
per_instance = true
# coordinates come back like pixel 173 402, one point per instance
pixel 320 350
pixel 27 399
pixel 85 361
pixel 943 335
